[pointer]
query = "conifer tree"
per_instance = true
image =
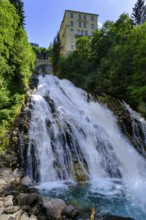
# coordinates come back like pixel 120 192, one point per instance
pixel 19 5
pixel 139 12
pixel 56 53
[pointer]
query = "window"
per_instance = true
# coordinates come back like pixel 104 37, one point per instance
pixel 79 32
pixel 80 17
pixel 72 47
pixel 82 32
pixel 84 17
pixel 80 24
pixel 84 25
pixel 71 23
pixel 92 26
pixel 71 15
pixel 72 31
pixel 92 18
pixel 86 33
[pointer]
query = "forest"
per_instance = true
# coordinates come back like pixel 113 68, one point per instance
pixel 16 64
pixel 112 62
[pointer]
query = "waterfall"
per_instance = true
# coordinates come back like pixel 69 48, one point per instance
pixel 138 129
pixel 72 137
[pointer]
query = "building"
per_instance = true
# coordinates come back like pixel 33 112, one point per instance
pixel 34 44
pixel 76 24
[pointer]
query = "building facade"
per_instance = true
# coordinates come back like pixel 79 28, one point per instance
pixel 75 24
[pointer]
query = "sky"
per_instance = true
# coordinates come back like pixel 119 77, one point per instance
pixel 43 17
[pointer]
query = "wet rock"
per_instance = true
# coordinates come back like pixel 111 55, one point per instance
pixel 18 172
pixel 11 209
pixel 117 218
pixel 33 217
pixel 34 81
pixel 24 216
pixel 8 180
pixel 8 201
pixel 26 181
pixel 79 174
pixel 27 199
pixel 70 211
pixel 26 208
pixel 1 210
pixel 1 202
pixel 18 215
pixel 54 207
pixel 4 217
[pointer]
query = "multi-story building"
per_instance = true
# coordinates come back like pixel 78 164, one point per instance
pixel 75 24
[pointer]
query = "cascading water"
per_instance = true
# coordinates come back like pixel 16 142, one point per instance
pixel 138 128
pixel 72 137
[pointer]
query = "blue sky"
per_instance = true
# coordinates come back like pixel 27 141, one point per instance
pixel 43 17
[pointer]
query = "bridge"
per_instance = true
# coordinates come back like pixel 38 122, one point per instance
pixel 43 67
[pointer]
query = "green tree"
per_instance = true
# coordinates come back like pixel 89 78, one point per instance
pixel 16 65
pixel 19 5
pixel 56 53
pixel 139 12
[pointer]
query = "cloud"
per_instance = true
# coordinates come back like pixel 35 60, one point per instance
pixel 99 25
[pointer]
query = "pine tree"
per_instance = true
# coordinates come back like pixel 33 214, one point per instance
pixel 139 12
pixel 19 5
pixel 56 53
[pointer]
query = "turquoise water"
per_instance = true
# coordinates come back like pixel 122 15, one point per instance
pixel 72 136
pixel 108 197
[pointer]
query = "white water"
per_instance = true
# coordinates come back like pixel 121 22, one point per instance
pixel 138 127
pixel 95 141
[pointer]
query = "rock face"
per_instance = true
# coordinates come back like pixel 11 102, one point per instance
pixel 33 207
pixel 70 211
pixel 9 179
pixel 27 199
pixel 131 127
pixel 117 218
pixel 11 211
pixel 53 207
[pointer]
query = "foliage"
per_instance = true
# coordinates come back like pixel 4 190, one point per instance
pixel 42 53
pixel 16 65
pixel 55 56
pixel 139 12
pixel 78 65
pixel 113 61
pixel 19 5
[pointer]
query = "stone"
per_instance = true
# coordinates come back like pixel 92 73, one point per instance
pixel 11 217
pixel 1 203
pixel 79 174
pixel 2 182
pixel 33 217
pixel 8 201
pixel 4 217
pixel 1 210
pixel 26 181
pixel 17 173
pixel 53 207
pixel 27 199
pixel 18 215
pixel 70 211
pixel 11 209
pixel 117 218
pixel 26 208
pixel 24 216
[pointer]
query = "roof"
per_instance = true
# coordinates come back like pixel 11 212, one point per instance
pixel 75 12
pixel 81 12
